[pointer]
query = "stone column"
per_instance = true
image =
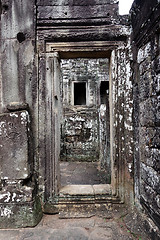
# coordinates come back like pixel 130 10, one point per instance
pixel 19 205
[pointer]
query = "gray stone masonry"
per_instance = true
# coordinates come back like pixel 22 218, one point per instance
pixel 147 106
pixel 18 201
pixel 39 42
pixel 15 150
pixel 82 132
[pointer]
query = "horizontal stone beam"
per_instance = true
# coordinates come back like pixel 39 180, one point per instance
pixel 79 12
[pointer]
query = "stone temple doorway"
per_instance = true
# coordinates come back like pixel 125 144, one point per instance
pixel 85 125
pixel 82 167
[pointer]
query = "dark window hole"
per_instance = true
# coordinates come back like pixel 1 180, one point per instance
pixel 5 7
pixel 104 91
pixel 27 181
pixel 80 93
pixel 21 37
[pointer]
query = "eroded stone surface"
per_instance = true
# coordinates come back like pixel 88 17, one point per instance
pixel 146 107
pixel 9 234
pixel 101 234
pixel 32 76
pixel 101 189
pixel 84 122
pixel 77 190
pixel 95 228
pixel 82 173
pixel 14 145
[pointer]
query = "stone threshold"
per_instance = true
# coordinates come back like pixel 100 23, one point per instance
pixel 85 190
pixel 85 200
pixel 74 201
pixel 87 194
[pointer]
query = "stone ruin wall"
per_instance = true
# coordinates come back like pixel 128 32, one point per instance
pixel 19 204
pixel 64 22
pixel 81 123
pixel 22 82
pixel 146 92
pixel 31 88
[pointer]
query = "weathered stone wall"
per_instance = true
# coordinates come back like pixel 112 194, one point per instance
pixel 75 11
pixel 16 161
pixel 91 71
pixel 71 34
pixel 122 122
pixel 80 137
pixel 19 204
pixel 0 65
pixel 24 88
pixel 65 21
pixel 146 79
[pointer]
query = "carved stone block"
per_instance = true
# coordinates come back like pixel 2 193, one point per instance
pixel 14 145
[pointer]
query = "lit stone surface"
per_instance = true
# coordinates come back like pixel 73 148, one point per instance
pixel 77 190
pixel 14 145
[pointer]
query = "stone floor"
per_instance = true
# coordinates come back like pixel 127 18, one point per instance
pixel 114 224
pixel 82 173
pixel 120 225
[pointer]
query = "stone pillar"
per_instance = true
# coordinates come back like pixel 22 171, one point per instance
pixel 19 206
pixel 49 130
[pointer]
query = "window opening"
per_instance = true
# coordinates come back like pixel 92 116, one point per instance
pixel 80 93
pixel 104 91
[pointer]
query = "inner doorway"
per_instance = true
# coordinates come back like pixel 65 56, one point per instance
pixel 85 125
pixel 51 123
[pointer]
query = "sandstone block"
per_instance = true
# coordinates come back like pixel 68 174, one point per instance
pixel 15 162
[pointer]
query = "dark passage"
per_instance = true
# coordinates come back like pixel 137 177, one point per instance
pixel 104 91
pixel 80 93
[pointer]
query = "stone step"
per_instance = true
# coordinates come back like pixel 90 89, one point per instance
pixel 85 200
pixel 85 190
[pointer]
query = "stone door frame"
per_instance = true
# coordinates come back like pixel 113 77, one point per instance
pixel 68 50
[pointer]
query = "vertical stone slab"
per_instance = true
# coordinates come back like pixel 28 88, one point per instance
pixel 19 205
pixel 18 58
pixel 19 85
pixel 104 132
pixel 17 47
pixel 15 154
pixel 57 106
pixel 50 117
pixel 121 123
